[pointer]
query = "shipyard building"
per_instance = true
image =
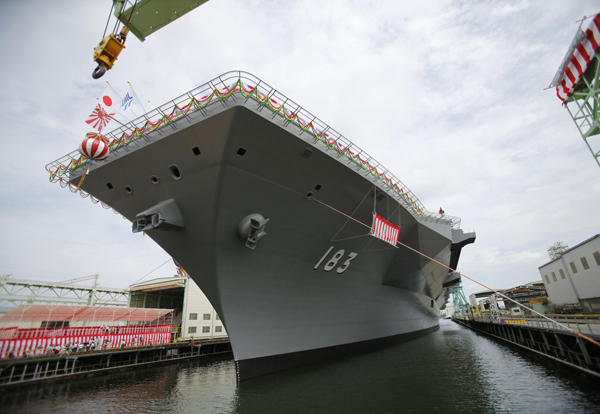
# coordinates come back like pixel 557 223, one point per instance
pixel 574 278
pixel 193 315
pixel 533 295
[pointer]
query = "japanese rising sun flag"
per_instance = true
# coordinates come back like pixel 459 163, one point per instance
pixel 108 105
pixel 384 230
pixel 99 118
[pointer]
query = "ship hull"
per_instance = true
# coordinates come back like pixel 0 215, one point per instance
pixel 284 303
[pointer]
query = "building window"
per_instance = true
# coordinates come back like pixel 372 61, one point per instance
pixel 217 315
pixel 207 316
pixel 547 279
pixel 193 316
pixel 218 329
pixel 206 329
pixel 192 329
pixel 55 325
pixel 562 274
pixel 573 267
pixel 554 277
pixel 597 257
pixel 585 264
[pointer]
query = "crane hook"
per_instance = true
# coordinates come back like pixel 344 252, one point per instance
pixel 99 71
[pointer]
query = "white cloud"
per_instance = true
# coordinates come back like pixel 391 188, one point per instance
pixel 448 95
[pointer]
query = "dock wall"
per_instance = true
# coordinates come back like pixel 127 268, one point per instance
pixel 28 370
pixel 558 345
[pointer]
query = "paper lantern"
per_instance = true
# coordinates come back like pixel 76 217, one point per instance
pixel 94 147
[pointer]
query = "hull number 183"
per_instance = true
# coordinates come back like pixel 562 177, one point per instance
pixel 335 259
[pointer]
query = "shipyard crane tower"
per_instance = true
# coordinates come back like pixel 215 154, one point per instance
pixel 461 304
pixel 577 83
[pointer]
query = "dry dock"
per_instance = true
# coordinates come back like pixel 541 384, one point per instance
pixel 544 340
pixel 39 368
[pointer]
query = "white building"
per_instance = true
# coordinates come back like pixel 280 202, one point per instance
pixel 193 314
pixel 575 276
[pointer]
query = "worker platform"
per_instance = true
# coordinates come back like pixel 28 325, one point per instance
pixel 545 338
pixel 19 371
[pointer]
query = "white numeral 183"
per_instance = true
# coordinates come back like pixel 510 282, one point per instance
pixel 335 259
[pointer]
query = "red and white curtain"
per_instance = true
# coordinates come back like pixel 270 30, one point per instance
pixel 384 230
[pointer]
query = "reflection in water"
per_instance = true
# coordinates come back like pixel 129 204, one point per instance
pixel 450 370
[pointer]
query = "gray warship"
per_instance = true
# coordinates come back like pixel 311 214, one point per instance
pixel 225 179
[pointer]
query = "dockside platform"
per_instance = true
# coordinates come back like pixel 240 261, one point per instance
pixel 38 368
pixel 546 339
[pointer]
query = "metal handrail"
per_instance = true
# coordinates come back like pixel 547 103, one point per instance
pixel 228 79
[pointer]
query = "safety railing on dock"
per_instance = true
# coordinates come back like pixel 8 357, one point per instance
pixel 585 324
pixel 15 333
pixel 247 87
pixel 545 337
pixel 34 342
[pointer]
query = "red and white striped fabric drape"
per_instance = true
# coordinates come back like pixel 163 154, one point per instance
pixel 384 230
pixel 582 56
pixel 138 336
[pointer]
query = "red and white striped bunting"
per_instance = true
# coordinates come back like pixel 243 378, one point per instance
pixel 384 230
pixel 582 56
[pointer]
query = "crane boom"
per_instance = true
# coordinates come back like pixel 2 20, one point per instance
pixel 142 18
pixel 80 279
pixel 147 16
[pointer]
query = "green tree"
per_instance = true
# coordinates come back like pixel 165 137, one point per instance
pixel 556 250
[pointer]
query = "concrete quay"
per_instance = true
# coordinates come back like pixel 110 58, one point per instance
pixel 15 371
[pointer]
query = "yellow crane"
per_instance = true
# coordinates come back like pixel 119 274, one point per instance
pixel 140 17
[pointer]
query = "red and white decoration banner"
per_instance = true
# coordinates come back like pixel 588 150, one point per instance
pixel 582 56
pixel 40 341
pixel 384 230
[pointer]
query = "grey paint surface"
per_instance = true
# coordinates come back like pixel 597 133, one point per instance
pixel 271 299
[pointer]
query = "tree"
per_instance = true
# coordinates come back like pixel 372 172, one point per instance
pixel 557 250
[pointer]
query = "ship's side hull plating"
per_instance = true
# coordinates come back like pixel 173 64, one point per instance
pixel 317 285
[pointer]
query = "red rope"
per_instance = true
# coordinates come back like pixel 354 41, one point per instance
pixel 463 275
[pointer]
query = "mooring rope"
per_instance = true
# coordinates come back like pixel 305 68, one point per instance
pixel 465 276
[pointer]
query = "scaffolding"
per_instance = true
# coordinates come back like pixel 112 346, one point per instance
pixel 15 292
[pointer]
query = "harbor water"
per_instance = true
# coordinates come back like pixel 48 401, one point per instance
pixel 452 370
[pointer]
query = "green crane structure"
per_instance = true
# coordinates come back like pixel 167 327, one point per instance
pixel 15 292
pixel 583 103
pixel 584 107
pixel 461 304
pixel 140 17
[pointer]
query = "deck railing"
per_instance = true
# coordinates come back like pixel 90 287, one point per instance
pixel 243 85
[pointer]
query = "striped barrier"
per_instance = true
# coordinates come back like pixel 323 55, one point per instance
pixel 39 345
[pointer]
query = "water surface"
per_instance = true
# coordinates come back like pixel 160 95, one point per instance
pixel 452 370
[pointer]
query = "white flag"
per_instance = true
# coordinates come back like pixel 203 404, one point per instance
pixel 130 104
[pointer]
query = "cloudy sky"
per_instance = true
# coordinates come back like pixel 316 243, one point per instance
pixel 449 95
